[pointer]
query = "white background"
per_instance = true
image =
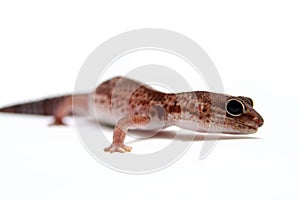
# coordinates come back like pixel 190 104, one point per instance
pixel 255 46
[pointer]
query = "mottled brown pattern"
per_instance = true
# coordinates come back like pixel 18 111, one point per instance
pixel 204 108
pixel 174 109
pixel 119 136
pixel 129 104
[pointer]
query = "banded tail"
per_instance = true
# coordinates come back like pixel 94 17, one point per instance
pixel 47 106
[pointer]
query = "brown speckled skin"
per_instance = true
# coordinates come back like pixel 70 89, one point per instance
pixel 120 99
pixel 129 104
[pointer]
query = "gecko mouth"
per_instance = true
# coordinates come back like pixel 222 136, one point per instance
pixel 242 127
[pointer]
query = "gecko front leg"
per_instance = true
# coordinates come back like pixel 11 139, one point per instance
pixel 121 128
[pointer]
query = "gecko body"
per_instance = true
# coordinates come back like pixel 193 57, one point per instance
pixel 129 104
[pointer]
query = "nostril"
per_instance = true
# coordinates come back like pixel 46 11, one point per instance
pixel 258 121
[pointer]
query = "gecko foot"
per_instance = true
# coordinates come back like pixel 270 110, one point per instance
pixel 57 123
pixel 116 148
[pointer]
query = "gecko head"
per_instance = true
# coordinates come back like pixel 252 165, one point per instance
pixel 241 118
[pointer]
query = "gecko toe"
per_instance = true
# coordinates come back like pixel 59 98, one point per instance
pixel 57 122
pixel 126 148
pixel 116 148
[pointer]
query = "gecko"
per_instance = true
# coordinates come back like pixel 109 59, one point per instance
pixel 129 104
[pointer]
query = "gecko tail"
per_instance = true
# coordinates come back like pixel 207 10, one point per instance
pixel 40 107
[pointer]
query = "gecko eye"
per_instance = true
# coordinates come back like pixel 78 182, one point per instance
pixel 235 107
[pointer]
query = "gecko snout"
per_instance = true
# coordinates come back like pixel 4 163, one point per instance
pixel 258 121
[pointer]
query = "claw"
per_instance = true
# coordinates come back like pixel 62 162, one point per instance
pixel 116 148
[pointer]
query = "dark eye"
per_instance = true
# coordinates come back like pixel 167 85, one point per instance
pixel 235 107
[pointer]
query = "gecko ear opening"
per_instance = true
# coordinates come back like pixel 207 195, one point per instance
pixel 247 100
